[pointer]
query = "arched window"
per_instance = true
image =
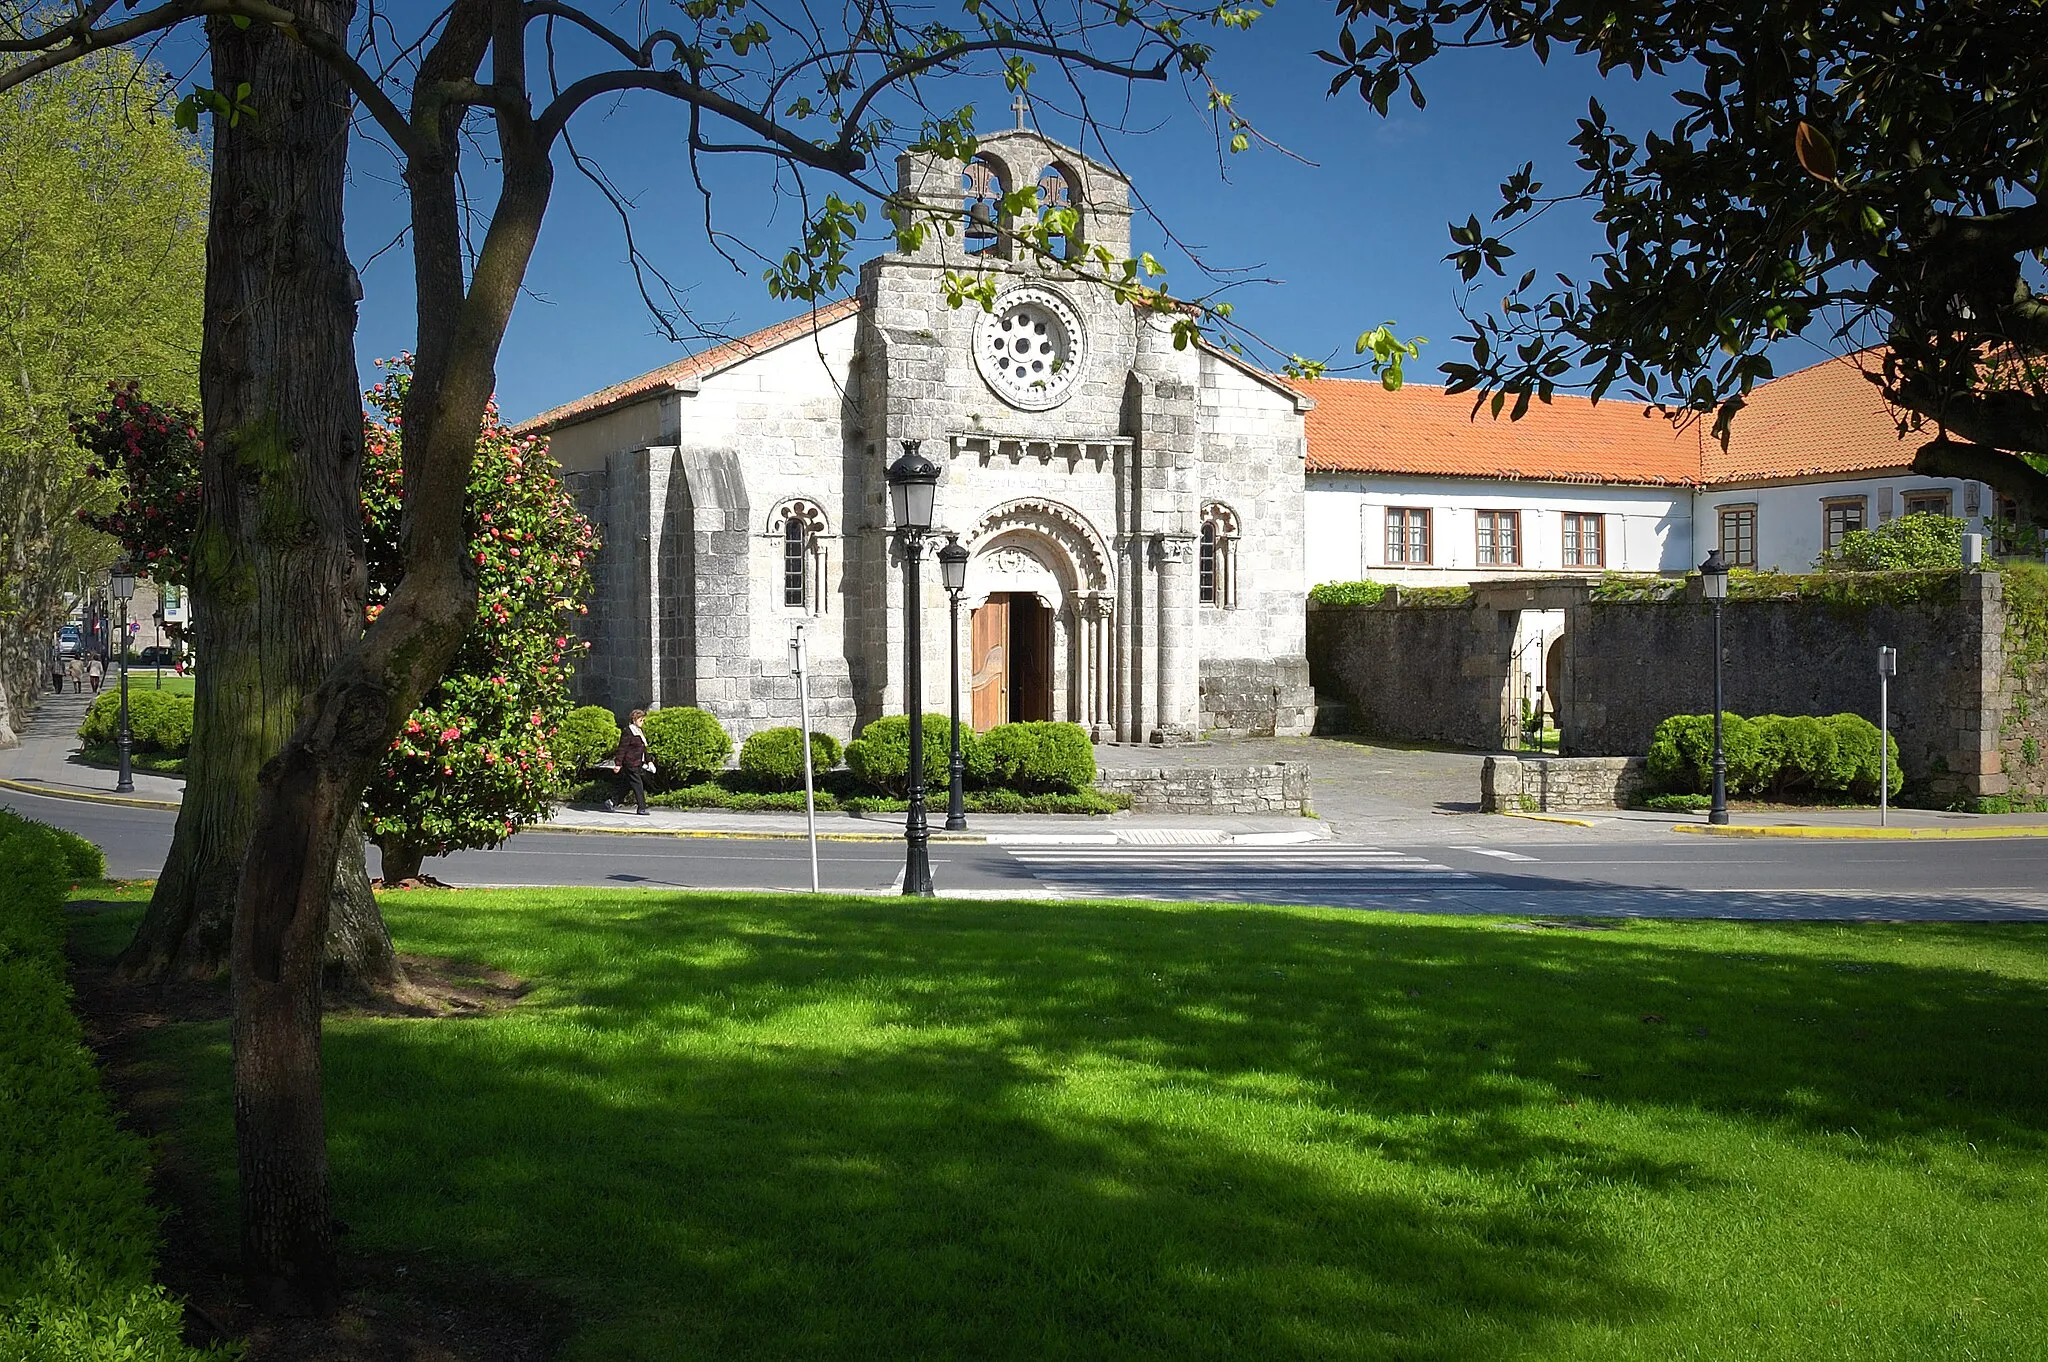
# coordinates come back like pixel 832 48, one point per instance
pixel 1056 191
pixel 799 528
pixel 981 206
pixel 1218 557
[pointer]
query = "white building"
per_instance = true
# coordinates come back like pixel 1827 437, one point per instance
pixel 1411 487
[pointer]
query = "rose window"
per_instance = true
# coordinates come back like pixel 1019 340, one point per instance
pixel 1029 348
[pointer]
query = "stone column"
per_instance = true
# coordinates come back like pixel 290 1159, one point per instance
pixel 1174 561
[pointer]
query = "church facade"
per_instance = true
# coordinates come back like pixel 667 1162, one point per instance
pixel 1134 511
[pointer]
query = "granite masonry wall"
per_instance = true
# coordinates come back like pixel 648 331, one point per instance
pixel 1559 784
pixel 1628 666
pixel 1414 674
pixel 1968 723
pixel 1256 697
pixel 1279 787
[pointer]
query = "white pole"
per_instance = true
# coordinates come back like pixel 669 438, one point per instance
pixel 799 662
pixel 1887 660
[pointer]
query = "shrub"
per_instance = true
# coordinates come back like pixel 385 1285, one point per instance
pixel 1348 593
pixel 880 757
pixel 773 757
pixel 1912 543
pixel 1679 803
pixel 587 735
pixel 1857 755
pixel 686 744
pixel 77 1233
pixel 1771 754
pixel 158 721
pixel 1681 756
pixel 1038 757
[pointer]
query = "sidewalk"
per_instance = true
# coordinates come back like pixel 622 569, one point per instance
pixel 45 762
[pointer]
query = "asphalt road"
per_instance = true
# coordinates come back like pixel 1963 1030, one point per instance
pixel 1675 876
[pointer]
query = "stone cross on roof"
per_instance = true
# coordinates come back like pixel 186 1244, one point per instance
pixel 1021 107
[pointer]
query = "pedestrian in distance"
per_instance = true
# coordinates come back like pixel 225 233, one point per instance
pixel 74 672
pixel 96 672
pixel 633 765
pixel 57 673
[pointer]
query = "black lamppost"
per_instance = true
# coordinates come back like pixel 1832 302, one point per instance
pixel 1714 582
pixel 953 572
pixel 121 585
pixel 913 486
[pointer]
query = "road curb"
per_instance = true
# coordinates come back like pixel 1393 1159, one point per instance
pixel 85 796
pixel 750 834
pixel 1819 832
pixel 1547 818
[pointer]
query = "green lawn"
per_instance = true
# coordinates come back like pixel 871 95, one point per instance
pixel 778 1127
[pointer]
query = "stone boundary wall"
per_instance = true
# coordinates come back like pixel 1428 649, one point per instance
pixel 1629 666
pixel 1559 784
pixel 1279 787
pixel 1414 673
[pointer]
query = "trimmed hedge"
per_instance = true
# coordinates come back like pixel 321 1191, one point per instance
pixel 1040 758
pixel 880 757
pixel 686 743
pixel 1773 755
pixel 158 721
pixel 78 1237
pixel 588 734
pixel 774 757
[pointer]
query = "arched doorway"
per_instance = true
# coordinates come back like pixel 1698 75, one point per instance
pixel 1040 635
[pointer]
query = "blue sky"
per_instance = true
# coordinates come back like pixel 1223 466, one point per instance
pixel 1355 238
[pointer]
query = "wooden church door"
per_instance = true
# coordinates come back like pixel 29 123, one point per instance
pixel 988 679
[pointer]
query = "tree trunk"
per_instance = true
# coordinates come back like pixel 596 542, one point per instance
pixel 278 583
pixel 277 567
pixel 401 862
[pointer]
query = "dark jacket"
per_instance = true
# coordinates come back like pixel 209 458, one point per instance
pixel 632 750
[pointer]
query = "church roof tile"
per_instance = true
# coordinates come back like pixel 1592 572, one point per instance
pixel 700 365
pixel 1825 420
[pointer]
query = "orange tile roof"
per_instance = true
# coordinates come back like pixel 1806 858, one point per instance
pixel 1825 419
pixel 700 365
pixel 1820 421
pixel 1359 427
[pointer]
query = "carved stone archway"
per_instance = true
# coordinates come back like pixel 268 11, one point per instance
pixel 1039 546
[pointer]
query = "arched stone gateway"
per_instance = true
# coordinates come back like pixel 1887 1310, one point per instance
pixel 1040 588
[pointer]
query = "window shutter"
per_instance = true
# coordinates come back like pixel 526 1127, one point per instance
pixel 1973 499
pixel 1884 504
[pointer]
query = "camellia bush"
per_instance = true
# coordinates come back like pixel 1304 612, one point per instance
pixel 474 763
pixel 149 456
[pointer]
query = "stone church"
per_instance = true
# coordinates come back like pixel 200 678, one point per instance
pixel 1134 511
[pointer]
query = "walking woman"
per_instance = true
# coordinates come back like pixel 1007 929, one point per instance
pixel 96 672
pixel 633 765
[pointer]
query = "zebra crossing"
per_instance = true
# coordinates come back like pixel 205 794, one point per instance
pixel 1323 873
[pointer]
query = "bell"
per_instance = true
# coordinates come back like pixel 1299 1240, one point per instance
pixel 981 223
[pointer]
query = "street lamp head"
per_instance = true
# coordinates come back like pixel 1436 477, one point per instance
pixel 1714 576
pixel 913 488
pixel 121 581
pixel 953 565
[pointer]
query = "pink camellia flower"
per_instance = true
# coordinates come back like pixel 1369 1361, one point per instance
pixel 450 734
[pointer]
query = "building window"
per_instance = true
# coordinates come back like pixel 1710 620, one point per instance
pixel 2004 525
pixel 1738 536
pixel 1930 502
pixel 1500 539
pixel 1219 556
pixel 1840 516
pixel 1407 536
pixel 799 529
pixel 1584 545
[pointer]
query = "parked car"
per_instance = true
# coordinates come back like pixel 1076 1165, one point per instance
pixel 70 639
pixel 156 655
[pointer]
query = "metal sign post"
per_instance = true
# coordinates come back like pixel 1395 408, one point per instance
pixel 1887 668
pixel 799 662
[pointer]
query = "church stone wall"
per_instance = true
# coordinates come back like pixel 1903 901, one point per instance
pixel 1254 664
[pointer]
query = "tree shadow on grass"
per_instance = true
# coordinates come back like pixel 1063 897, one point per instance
pixel 832 1128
